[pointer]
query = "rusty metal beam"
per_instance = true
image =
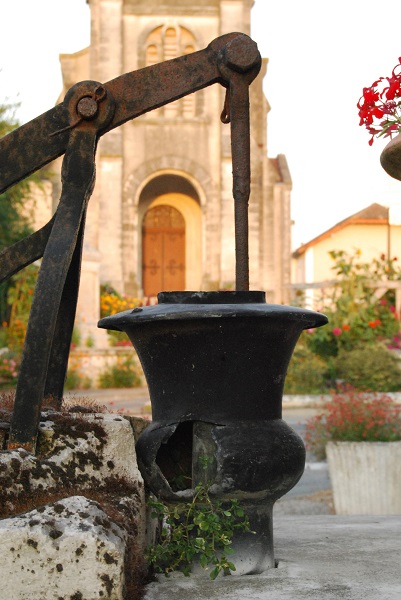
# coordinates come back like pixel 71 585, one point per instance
pixel 89 110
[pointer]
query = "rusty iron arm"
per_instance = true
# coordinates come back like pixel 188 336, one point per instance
pixel 232 60
pixel 45 138
pixel 91 109
pixel 48 337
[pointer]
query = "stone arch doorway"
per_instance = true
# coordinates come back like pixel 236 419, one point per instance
pixel 163 250
pixel 170 190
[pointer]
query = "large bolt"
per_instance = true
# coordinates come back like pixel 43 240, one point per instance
pixel 87 108
pixel 240 56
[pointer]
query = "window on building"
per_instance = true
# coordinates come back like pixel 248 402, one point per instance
pixel 165 43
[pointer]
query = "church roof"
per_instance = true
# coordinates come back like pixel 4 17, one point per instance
pixel 281 169
pixel 375 214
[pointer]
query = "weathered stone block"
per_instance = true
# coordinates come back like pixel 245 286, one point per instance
pixel 86 450
pixel 69 549
pixel 73 547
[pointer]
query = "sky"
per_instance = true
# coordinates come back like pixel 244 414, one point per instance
pixel 321 54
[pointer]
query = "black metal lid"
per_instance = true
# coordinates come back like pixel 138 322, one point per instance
pixel 220 297
pixel 175 306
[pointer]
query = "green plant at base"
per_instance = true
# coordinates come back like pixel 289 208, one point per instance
pixel 200 530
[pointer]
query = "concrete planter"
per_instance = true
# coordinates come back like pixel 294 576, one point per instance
pixel 365 477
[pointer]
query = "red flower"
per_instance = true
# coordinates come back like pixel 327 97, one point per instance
pixel 336 331
pixel 346 327
pixel 380 103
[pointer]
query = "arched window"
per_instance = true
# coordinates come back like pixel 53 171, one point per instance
pixel 165 43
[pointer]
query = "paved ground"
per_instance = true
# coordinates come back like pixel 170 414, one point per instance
pixel 134 401
pixel 319 558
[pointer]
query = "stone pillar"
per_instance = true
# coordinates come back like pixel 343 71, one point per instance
pixel 101 254
pixel 235 15
pixel 267 221
pixel 110 218
pixel 106 64
pixel 88 306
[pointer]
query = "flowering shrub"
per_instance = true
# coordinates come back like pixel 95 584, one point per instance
pixel 124 374
pixel 15 334
pixel 379 107
pixel 354 416
pixel 20 296
pixel 111 302
pixel 9 366
pixel 363 328
pixel 355 315
pixel 75 379
pixel 306 373
pixel 369 368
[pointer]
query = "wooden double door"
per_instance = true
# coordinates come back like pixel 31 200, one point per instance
pixel 163 250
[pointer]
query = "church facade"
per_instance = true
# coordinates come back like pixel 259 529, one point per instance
pixel 162 214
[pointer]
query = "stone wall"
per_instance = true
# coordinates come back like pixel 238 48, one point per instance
pixel 90 363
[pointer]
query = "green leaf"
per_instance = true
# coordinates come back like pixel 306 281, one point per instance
pixel 182 542
pixel 203 560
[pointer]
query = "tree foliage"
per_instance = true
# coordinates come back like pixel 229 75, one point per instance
pixel 357 316
pixel 14 222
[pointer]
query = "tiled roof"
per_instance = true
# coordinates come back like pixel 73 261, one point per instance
pixel 375 214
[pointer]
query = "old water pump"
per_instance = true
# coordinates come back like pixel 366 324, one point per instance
pixel 215 362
